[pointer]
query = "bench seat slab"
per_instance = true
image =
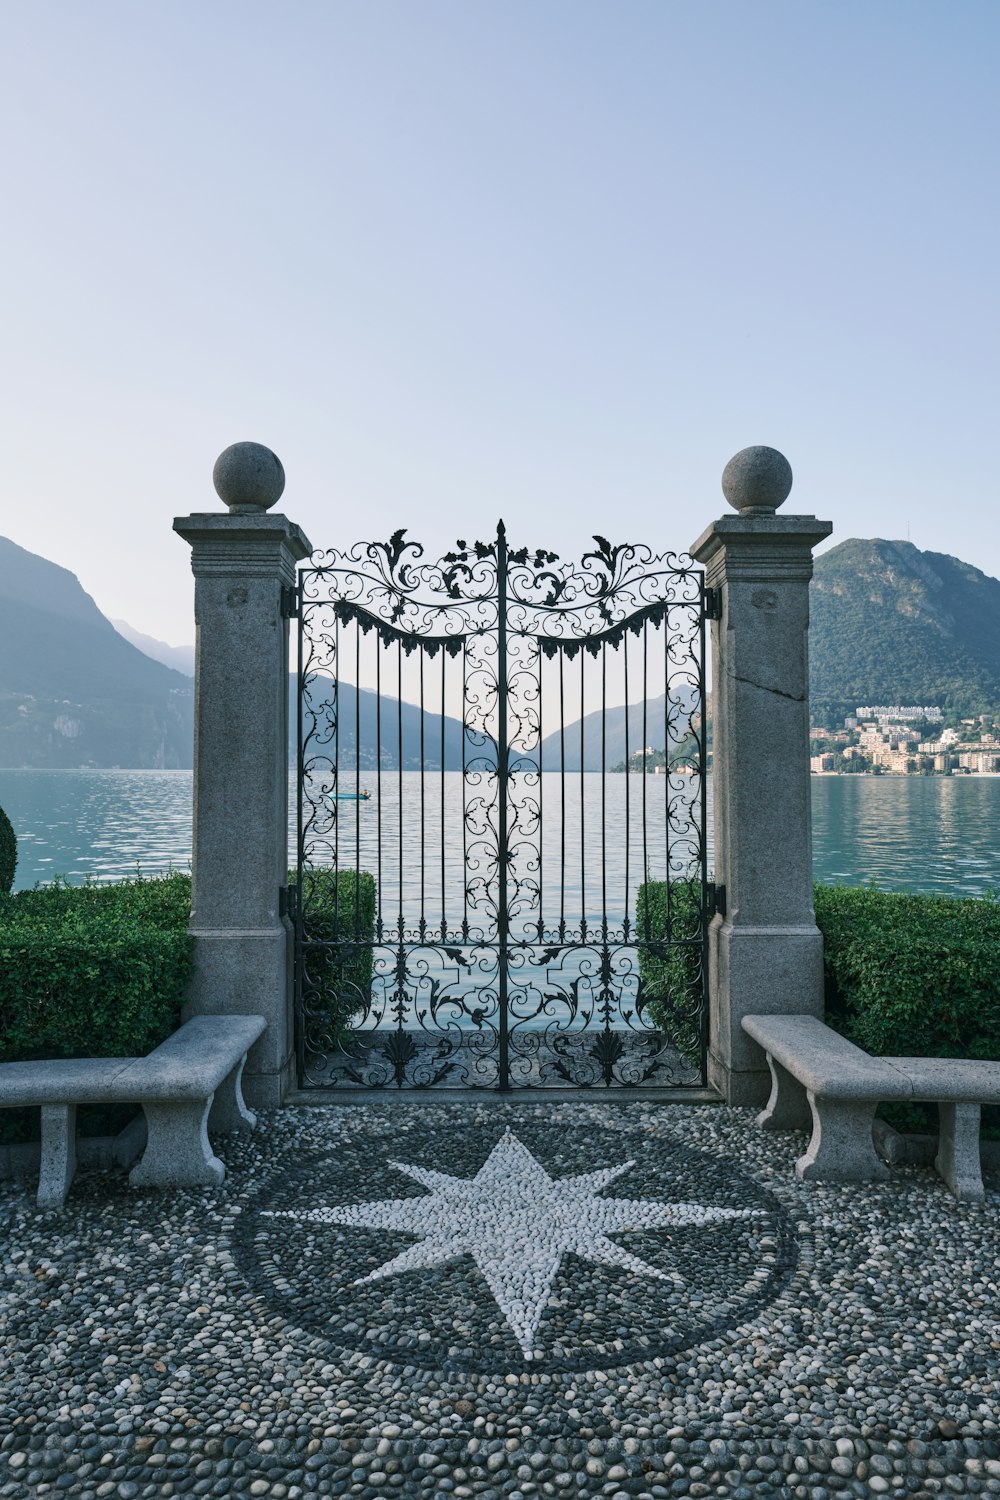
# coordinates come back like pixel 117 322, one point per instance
pixel 823 1060
pixel 841 1148
pixel 178 1153
pixel 950 1079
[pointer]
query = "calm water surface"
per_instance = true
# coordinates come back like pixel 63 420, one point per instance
pixel 906 833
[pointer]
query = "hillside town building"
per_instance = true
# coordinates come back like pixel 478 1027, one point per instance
pixel 875 743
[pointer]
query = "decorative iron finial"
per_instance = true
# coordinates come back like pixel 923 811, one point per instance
pixel 248 477
pixel 755 481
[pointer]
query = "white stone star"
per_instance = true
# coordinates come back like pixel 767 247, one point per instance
pixel 517 1223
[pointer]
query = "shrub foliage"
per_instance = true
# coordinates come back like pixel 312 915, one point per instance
pixel 906 975
pixel 338 908
pixel 93 971
pixel 912 975
pixel 670 961
pixel 8 854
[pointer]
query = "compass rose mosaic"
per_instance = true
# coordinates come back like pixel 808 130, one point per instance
pixel 525 1247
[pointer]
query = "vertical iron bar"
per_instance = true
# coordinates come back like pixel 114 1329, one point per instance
pixel 378 777
pixel 336 788
pixel 502 773
pixel 298 918
pixel 399 776
pixel 628 783
pixel 703 832
pixel 423 792
pixel 583 841
pixel 444 918
pixel 645 773
pixel 541 805
pixel 357 782
pixel 562 799
pixel 400 998
pixel 465 773
pixel 604 790
pixel 666 774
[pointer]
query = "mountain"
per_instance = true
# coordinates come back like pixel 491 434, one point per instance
pixel 367 734
pixel 181 658
pixel 604 733
pixel 359 724
pixel 73 692
pixel 891 624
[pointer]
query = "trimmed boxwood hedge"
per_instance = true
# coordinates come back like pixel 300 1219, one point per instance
pixel 8 854
pixel 339 908
pixel 101 970
pixel 93 971
pixel 906 975
pixel 672 971
pixel 912 975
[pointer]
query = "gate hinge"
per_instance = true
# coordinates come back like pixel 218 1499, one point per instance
pixel 289 601
pixel 286 901
pixel 715 900
pixel 713 604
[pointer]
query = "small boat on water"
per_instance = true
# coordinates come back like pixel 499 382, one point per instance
pixel 363 796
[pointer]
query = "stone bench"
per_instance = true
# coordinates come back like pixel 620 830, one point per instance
pixel 187 1086
pixel 821 1080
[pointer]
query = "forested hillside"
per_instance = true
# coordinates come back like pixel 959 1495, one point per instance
pixel 891 624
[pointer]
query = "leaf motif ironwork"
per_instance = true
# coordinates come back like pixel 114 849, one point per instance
pixel 562 1000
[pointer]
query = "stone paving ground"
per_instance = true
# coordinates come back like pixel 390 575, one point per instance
pixel 515 1299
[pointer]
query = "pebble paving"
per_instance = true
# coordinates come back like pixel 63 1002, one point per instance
pixel 834 1341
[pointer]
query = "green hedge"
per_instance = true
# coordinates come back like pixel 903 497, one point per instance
pixel 909 974
pixel 93 971
pixel 913 975
pixel 670 961
pixel 8 854
pixel 339 925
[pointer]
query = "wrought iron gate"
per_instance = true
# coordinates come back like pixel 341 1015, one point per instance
pixel 502 877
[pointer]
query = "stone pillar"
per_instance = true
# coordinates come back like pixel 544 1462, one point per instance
pixel 765 951
pixel 241 563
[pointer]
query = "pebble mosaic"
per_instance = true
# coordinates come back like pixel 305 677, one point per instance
pixel 330 1323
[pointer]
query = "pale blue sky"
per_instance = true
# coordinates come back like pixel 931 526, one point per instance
pixel 454 259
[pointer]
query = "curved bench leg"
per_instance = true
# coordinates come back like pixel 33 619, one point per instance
pixel 841 1148
pixel 958 1151
pixel 788 1107
pixel 177 1151
pixel 229 1110
pixel 58 1166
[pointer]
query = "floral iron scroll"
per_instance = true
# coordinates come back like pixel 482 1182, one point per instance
pixel 468 700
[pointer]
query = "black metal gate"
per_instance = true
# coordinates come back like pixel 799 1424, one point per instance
pixel 502 877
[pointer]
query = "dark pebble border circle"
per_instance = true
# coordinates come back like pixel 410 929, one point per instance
pixel 445 1319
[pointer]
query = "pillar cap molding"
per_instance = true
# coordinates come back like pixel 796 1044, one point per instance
pixel 751 534
pixel 255 545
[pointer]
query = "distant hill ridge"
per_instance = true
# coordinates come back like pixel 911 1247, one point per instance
pixel 892 624
pixel 73 692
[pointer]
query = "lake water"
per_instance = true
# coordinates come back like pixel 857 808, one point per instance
pixel 906 833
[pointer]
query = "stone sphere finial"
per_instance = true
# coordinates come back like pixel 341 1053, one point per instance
pixel 756 480
pixel 248 477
